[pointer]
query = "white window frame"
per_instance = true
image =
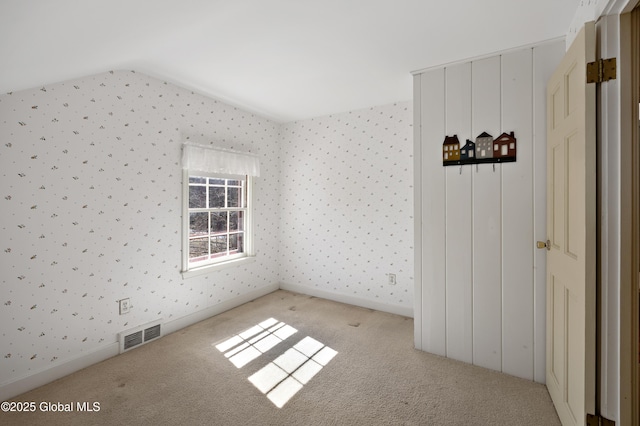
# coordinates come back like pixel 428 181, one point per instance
pixel 212 265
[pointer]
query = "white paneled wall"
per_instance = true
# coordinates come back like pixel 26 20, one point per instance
pixel 487 218
pixel 480 283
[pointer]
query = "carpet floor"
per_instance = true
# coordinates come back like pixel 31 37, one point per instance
pixel 289 359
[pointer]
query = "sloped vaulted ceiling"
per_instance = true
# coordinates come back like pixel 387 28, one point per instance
pixel 283 59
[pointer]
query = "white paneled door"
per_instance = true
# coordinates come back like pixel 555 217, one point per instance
pixel 571 231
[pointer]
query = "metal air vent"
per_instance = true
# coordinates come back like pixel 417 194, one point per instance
pixel 131 340
pixel 140 335
pixel 151 332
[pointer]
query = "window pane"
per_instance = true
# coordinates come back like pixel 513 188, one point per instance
pixel 236 222
pixel 233 242
pixel 195 179
pixel 198 224
pixel 213 181
pixel 218 244
pixel 218 222
pixel 198 249
pixel 197 197
pixel 234 197
pixel 216 196
pixel 240 242
pixel 232 182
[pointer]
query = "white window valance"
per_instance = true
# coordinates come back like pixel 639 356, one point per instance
pixel 219 160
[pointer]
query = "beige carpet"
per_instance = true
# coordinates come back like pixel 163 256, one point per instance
pixel 376 377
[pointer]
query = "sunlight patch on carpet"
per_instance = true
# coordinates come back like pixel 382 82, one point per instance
pixel 244 347
pixel 287 374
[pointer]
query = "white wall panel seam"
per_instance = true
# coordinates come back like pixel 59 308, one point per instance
pixel 534 141
pixel 447 276
pixel 501 226
pixel 471 218
pixel 533 223
pixel 446 214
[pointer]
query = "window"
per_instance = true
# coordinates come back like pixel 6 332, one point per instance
pixel 217 212
pixel 216 229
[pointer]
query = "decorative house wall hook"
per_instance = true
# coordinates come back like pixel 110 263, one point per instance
pixel 460 169
pixel 485 149
pixel 451 150
pixel 494 167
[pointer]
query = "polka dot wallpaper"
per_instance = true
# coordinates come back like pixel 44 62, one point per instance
pixel 91 212
pixel 347 204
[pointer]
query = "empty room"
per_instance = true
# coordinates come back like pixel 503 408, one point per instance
pixel 303 212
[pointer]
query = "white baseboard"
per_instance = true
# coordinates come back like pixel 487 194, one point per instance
pixel 406 311
pixel 48 375
pixel 180 323
pixel 15 387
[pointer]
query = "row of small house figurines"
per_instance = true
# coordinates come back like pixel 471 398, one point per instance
pixel 484 150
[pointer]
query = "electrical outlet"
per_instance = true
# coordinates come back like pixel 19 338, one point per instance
pixel 125 306
pixel 392 279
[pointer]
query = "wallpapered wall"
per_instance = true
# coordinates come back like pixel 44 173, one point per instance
pixel 347 204
pixel 91 208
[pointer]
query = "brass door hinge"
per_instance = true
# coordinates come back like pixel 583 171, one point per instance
pixel 601 70
pixel 593 420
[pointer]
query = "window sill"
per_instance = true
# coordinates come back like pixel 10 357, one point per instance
pixel 217 266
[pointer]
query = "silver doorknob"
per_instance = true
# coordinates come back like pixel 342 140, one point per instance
pixel 542 244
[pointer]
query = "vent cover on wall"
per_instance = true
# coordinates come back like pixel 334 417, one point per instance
pixel 151 332
pixel 134 337
pixel 131 340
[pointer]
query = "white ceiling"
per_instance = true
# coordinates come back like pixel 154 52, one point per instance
pixel 283 59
